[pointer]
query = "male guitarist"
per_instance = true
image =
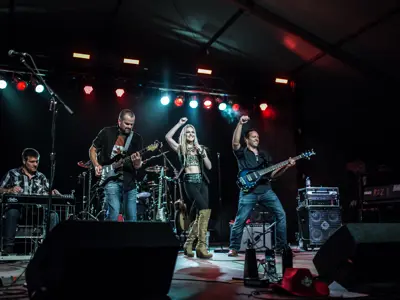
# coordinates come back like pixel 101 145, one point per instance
pixel 251 157
pixel 111 144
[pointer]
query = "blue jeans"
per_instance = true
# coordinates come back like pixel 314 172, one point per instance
pixel 114 195
pixel 246 205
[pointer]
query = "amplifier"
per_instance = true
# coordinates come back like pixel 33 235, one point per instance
pixel 254 234
pixel 320 196
pixel 317 224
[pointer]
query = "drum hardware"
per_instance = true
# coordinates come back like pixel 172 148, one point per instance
pixel 87 206
pixel 156 169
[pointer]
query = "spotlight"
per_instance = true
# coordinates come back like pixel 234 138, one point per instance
pixel 178 101
pixel 21 85
pixel 235 107
pixel 3 84
pixel 193 103
pixel 39 88
pixel 88 89
pixel 263 106
pixel 119 92
pixel 164 100
pixel 207 103
pixel 222 106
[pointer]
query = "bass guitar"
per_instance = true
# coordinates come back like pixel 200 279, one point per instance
pixel 181 217
pixel 113 170
pixel 248 179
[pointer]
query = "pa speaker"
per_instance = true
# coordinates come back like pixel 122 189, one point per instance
pixel 99 260
pixel 361 255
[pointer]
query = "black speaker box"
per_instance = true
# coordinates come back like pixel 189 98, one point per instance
pixel 99 260
pixel 361 254
pixel 317 224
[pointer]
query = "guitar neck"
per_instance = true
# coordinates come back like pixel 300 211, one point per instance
pixel 277 166
pixel 144 150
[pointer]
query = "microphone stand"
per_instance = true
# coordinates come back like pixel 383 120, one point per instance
pixel 222 250
pixel 54 99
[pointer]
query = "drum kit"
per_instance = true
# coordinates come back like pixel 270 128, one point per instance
pixel 156 194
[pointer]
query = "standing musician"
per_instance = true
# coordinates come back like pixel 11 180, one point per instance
pixel 23 180
pixel 193 158
pixel 110 144
pixel 251 157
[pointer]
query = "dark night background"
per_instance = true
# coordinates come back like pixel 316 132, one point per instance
pixel 343 105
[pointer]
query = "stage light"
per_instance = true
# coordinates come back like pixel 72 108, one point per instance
pixel 193 103
pixel 119 92
pixel 179 101
pixel 3 84
pixel 222 106
pixel 165 100
pixel 131 61
pixel 235 107
pixel 88 89
pixel 21 85
pixel 39 88
pixel 80 55
pixel 281 80
pixel 263 106
pixel 207 103
pixel 204 71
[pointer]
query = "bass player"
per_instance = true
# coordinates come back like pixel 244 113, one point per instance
pixel 251 156
pixel 111 143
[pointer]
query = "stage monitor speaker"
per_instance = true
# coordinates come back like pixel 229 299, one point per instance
pixel 361 254
pixel 317 224
pixel 80 259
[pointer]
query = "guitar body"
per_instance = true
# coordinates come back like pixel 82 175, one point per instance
pixel 108 173
pixel 248 179
pixel 181 217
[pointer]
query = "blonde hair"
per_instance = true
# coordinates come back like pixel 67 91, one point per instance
pixel 182 141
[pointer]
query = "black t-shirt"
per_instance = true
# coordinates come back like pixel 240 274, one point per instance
pixel 106 143
pixel 247 159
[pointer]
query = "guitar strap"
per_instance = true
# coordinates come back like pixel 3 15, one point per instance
pixel 128 142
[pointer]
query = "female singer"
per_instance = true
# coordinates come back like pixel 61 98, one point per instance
pixel 193 159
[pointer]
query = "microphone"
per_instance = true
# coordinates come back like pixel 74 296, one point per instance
pixel 12 53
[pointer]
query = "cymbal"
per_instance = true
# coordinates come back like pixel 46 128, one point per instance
pixel 85 165
pixel 155 169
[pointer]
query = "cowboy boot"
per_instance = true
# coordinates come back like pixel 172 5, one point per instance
pixel 201 247
pixel 193 232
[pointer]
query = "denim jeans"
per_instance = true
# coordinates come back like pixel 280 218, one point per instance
pixel 12 216
pixel 115 196
pixel 246 204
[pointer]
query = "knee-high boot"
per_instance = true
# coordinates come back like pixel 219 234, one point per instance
pixel 193 233
pixel 201 247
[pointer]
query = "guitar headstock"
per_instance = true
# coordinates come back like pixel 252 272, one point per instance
pixel 154 146
pixel 307 154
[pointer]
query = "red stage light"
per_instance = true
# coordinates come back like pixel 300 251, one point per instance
pixel 207 103
pixel 21 85
pixel 263 106
pixel 178 101
pixel 235 107
pixel 119 92
pixel 88 89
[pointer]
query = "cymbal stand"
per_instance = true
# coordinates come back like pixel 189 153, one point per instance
pixel 166 179
pixel 87 199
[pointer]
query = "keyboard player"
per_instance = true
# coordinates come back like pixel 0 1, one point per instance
pixel 25 179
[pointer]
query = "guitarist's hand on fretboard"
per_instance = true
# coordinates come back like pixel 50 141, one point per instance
pixel 98 170
pixel 136 160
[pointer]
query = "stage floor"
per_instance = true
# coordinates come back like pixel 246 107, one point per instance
pixel 193 278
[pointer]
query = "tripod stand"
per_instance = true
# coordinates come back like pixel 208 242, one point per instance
pixel 87 197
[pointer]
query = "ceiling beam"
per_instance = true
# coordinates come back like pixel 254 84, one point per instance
pixel 225 27
pixel 267 16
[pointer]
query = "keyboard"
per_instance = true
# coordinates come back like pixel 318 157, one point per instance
pixel 37 199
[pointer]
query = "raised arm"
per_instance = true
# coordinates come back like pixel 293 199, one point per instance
pixel 169 136
pixel 238 132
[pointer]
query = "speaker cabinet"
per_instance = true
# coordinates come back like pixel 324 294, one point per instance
pixel 359 255
pixel 97 260
pixel 317 224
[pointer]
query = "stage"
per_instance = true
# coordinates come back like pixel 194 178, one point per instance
pixel 193 279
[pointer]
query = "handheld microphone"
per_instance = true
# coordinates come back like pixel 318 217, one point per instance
pixel 12 53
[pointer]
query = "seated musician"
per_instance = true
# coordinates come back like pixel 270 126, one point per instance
pixel 23 180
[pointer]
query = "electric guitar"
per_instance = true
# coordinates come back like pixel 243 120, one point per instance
pixel 161 209
pixel 113 170
pixel 248 179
